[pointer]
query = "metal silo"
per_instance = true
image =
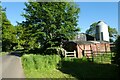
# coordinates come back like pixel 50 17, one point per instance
pixel 102 33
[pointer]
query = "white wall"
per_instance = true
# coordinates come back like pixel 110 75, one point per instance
pixel 103 28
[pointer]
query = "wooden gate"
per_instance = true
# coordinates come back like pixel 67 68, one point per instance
pixel 70 54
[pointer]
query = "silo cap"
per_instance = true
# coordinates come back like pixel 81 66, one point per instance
pixel 101 23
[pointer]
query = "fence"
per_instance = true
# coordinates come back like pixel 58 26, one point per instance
pixel 99 57
pixel 70 54
pixel 95 48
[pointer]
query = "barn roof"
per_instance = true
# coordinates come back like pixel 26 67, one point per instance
pixel 89 42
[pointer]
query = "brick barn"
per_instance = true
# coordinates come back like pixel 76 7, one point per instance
pixel 83 48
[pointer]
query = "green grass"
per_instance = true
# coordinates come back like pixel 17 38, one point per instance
pixel 39 66
pixel 82 69
pixel 103 58
pixel 52 66
pixel 3 53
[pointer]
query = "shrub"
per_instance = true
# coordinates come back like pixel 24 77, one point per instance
pixel 40 62
pixel 55 50
pixel 117 51
pixel 27 62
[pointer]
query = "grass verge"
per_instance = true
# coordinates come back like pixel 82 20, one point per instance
pixel 3 53
pixel 39 66
pixel 52 66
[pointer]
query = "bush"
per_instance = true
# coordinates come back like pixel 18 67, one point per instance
pixel 40 62
pixel 42 66
pixel 55 50
pixel 117 52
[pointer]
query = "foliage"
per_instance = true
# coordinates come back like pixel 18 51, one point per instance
pixel 103 58
pixel 39 66
pixel 41 61
pixel 3 53
pixel 84 70
pixel 55 50
pixel 47 23
pixel 112 31
pixel 0 27
pixel 9 39
pixel 52 66
pixel 117 51
pixel 23 41
pixel 91 30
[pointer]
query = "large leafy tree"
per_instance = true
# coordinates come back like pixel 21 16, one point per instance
pixel 49 22
pixel 20 35
pixel 112 31
pixel 9 39
pixel 91 30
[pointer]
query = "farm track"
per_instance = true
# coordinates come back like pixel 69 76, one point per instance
pixel 11 67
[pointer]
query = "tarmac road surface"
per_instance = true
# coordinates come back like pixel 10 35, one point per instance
pixel 11 67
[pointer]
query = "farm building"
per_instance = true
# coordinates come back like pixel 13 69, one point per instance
pixel 86 47
pixel 101 34
pixel 84 37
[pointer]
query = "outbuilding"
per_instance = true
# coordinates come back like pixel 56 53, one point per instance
pixel 87 47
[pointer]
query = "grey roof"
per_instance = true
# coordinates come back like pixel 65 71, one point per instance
pixel 83 42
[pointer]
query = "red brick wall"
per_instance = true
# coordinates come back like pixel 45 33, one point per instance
pixel 102 47
pixel 108 47
pixel 96 48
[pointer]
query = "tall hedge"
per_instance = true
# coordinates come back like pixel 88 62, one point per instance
pixel 117 51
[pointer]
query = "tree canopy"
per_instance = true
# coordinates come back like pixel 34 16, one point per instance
pixel 91 30
pixel 0 28
pixel 8 34
pixel 49 22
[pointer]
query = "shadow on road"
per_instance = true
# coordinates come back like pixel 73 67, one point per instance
pixel 17 53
